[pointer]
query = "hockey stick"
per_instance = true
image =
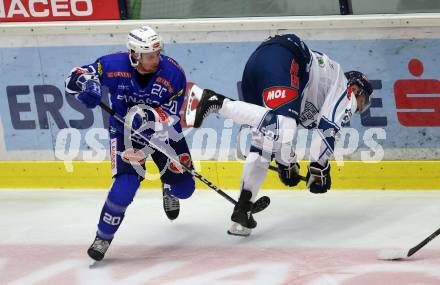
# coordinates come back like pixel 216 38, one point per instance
pixel 389 254
pixel 274 168
pixel 258 206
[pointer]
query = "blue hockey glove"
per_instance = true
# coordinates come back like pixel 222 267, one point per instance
pixel 71 84
pixel 289 174
pixel 318 178
pixel 91 95
pixel 78 77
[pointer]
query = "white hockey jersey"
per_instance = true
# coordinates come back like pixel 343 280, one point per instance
pixel 326 106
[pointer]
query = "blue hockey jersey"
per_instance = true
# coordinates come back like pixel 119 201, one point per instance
pixel 164 90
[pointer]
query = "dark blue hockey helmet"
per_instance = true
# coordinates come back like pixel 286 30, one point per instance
pixel 361 80
pixel 356 77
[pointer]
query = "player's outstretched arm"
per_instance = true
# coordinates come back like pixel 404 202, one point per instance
pixel 84 84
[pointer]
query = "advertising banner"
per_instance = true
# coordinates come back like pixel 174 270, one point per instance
pixel 58 10
pixel 39 122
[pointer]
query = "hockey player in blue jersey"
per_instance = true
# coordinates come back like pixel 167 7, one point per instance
pixel 142 77
pixel 285 85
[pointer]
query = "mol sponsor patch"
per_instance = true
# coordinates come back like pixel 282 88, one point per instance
pixel 274 97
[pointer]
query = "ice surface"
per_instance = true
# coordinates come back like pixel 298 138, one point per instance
pixel 301 238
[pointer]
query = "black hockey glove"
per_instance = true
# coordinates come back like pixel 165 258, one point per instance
pixel 289 175
pixel 318 178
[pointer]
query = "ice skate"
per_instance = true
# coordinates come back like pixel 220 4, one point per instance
pixel 98 249
pixel 243 221
pixel 171 205
pixel 200 103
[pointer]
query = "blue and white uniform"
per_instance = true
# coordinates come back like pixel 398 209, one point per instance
pixel 164 92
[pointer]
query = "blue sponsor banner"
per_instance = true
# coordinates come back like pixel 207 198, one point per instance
pixel 406 100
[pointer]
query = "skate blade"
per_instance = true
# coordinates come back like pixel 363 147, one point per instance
pixel 93 264
pixel 238 230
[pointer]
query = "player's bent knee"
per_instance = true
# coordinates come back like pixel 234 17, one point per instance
pixel 288 127
pixel 124 189
pixel 183 189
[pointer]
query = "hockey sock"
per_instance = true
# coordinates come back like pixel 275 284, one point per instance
pixel 120 196
pixel 242 112
pixel 254 173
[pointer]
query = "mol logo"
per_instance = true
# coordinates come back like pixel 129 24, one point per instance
pixel 274 97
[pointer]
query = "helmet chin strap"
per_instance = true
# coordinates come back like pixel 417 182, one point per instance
pixel 132 62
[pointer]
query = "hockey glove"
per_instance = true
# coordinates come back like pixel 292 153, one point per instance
pixel 91 95
pixel 318 178
pixel 289 175
pixel 75 82
pixel 71 83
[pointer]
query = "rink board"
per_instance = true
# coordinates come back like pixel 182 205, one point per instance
pixel 38 123
pixel 401 52
pixel 403 175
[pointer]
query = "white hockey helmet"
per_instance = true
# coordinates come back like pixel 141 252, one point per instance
pixel 143 40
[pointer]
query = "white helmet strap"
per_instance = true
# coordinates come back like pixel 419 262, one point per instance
pixel 134 58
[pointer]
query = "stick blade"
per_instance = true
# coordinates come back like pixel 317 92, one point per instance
pixel 261 204
pixel 392 254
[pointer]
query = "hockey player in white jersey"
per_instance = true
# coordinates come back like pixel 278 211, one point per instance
pixel 285 85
